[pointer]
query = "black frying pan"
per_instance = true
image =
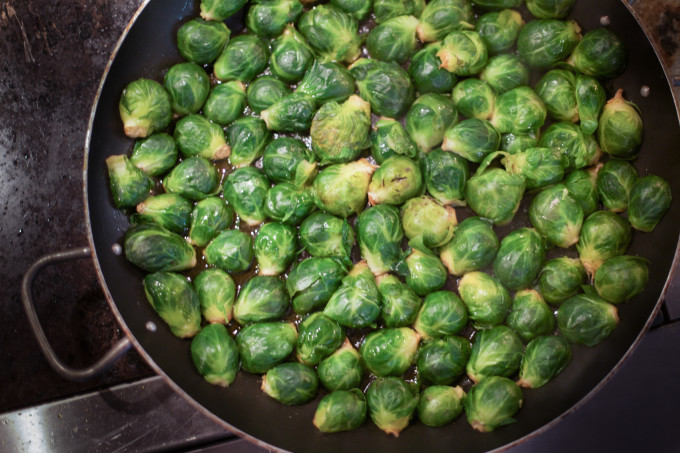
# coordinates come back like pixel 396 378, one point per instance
pixel 149 46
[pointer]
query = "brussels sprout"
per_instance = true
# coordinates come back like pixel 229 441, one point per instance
pixel 442 360
pixel 195 135
pixel 426 218
pixel 324 235
pixel 247 138
pixel 215 355
pixel 265 91
pixel 550 9
pixel 648 201
pixel 175 301
pixel 557 216
pixel 327 82
pixel 312 282
pixel 216 291
pixel 275 247
pixel 540 167
pixel 474 98
pixel 218 10
pixel 287 159
pixel 246 190
pixel 358 9
pixel 519 258
pixel 530 316
pixel 356 303
pixel 287 204
pixel 171 211
pixel 557 91
pixel 505 72
pixel 544 358
pixel 499 29
pixel 208 218
pixel 519 111
pixel 586 319
pixel 620 128
pixel 439 405
pixel 341 189
pixel 486 299
pixel 387 9
pixel 582 187
pixel 390 351
pixel 268 18
pixel 463 53
pixel 292 113
pixel 395 181
pixel 342 370
pixel 332 33
pixel 426 73
pixel 264 345
pixel 188 86
pixel 340 132
pixel 445 176
pixel 473 246
pixel 603 236
pixel 495 194
pixel 393 40
pixel 442 314
pixel 386 86
pixel 473 139
pixel 561 278
pixel 154 155
pixel 144 108
pixel 516 143
pixel 379 234
pixel 621 278
pixel 231 251
pixel 497 4
pixel 400 304
pixel 291 55
pixel 491 403
pixel 421 268
pixel 153 248
pixel 319 336
pixel 614 182
pixel 601 54
pixel 202 41
pixel 430 116
pixel 391 403
pixel 244 57
pixel 580 149
pixel 291 383
pixel 590 100
pixel 545 42
pixel 389 139
pixel 341 410
pixel 495 352
pixel 225 102
pixel 129 185
pixel 441 17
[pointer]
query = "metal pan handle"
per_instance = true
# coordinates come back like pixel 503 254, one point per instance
pixel 72 374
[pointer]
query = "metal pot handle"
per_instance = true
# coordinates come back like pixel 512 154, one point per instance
pixel 72 374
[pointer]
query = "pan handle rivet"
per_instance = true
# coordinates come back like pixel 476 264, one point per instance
pixel 151 326
pixel 644 90
pixel 604 20
pixel 117 249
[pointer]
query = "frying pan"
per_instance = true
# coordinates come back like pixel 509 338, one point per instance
pixel 145 49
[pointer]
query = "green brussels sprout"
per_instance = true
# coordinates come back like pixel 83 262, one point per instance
pixel 590 101
pixel 174 299
pixel 247 138
pixel 379 234
pixel 428 219
pixel 225 102
pixel 358 9
pixel 169 210
pixel 580 149
pixel 188 86
pixel 648 201
pixel 603 236
pixel 600 54
pixel 614 182
pixel 324 235
pixel 442 360
pixel 543 43
pixel 486 299
pixel 393 40
pixel 332 33
pixel 474 98
pixel 216 291
pixel 395 181
pixel 561 278
pixel 265 91
pixel 540 167
pixel 153 248
pixel 473 246
pixel 473 139
pixel 516 143
pixel 557 216
pixel 621 278
pixel 390 351
pixel 429 117
pixel 264 345
pixel 387 9
pixel 231 251
pixel 582 186
pixel 386 86
pixel 441 17
pixel 244 57
pixel 497 4
pixel 218 10
pixel 356 303
pixel 340 132
pixel 439 405
pixel 586 319
pixel 530 316
pixel 427 74
pixel 620 128
pixel 494 194
pixel 544 358
pixel 292 113
pixel 275 248
pixel 341 410
pixel 463 53
pixel 291 383
pixel 287 204
pixel 246 190
pixel 519 111
pixel 342 370
pixel 129 185
pixel 443 313
pixel 318 337
pixel 421 268
pixel 445 176
pixel 327 82
pixel 268 18
pixel 312 282
pixel 550 9
pixel 287 159
pixel 505 72
pixel 155 154
pixel 201 41
pixel 496 351
pixel 144 108
pixel 391 403
pixel 499 29
pixel 215 355
pixel 557 90
pixel 519 259
pixel 208 218
pixel 491 403
pixel 400 304
pixel 389 139
pixel 291 55
pixel 195 135
pixel 341 189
